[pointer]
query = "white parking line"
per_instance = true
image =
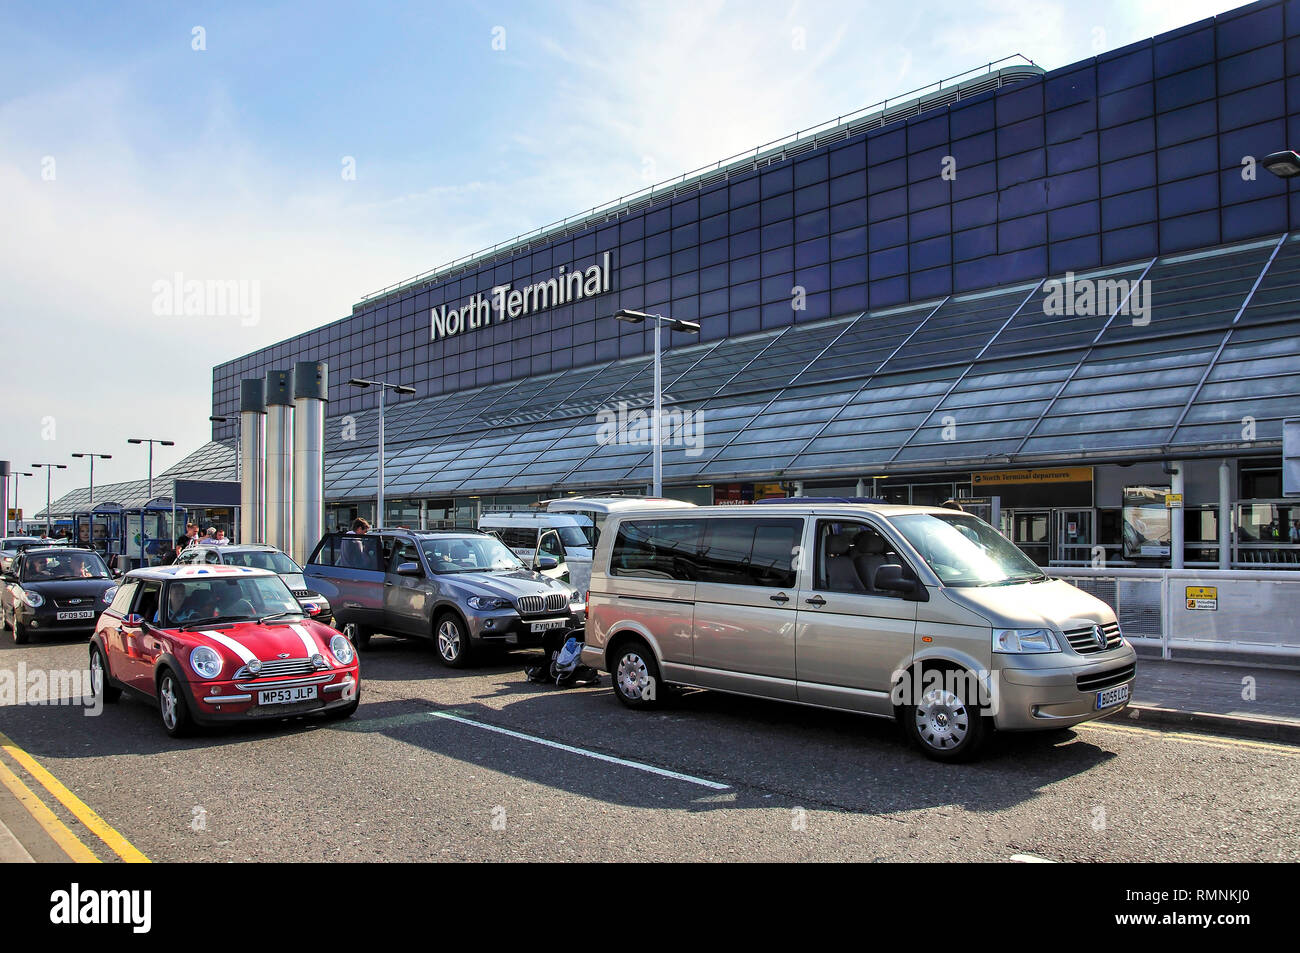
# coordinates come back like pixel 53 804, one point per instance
pixel 1029 859
pixel 651 769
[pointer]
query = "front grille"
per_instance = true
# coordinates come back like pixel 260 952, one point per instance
pixel 80 602
pixel 1083 642
pixel 532 605
pixel 280 667
pixel 304 594
pixel 1099 680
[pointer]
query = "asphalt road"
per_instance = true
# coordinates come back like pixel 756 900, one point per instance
pixel 714 778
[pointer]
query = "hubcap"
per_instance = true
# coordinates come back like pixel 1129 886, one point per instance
pixel 942 719
pixel 167 699
pixel 632 675
pixel 449 640
pixel 96 674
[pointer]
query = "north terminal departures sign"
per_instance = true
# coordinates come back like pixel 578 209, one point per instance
pixel 509 302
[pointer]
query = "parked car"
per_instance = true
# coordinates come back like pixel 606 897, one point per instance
pixel 55 589
pixel 11 546
pixel 217 644
pixel 464 590
pixel 260 556
pixel 535 535
pixel 923 614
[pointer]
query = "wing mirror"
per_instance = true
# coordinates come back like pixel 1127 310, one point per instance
pixel 134 621
pixel 547 562
pixel 311 608
pixel 892 577
pixel 409 569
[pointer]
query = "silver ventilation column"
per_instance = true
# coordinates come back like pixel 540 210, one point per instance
pixel 279 459
pixel 310 386
pixel 252 459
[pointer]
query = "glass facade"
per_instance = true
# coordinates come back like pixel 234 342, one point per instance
pixel 1122 158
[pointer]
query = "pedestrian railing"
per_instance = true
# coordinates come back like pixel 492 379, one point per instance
pixel 1254 612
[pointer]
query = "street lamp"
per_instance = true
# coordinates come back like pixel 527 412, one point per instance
pixel 90 507
pixel 16 474
pixel 362 384
pixel 690 327
pixel 48 467
pixel 1284 164
pixel 218 419
pixel 151 441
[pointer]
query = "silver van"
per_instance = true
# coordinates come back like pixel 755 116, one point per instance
pixel 923 614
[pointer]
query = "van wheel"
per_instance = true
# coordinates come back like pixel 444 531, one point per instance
pixel 944 726
pixel 636 676
pixel 358 636
pixel 452 641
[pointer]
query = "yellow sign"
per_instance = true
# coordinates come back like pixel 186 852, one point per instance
pixel 1056 475
pixel 1173 500
pixel 1202 597
pixel 14 514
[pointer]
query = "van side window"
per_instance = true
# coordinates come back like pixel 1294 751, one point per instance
pixel 750 552
pixel 656 549
pixel 849 555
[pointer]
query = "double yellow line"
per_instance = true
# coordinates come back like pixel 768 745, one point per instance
pixel 62 835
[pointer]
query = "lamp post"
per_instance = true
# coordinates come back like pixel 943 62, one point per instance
pixel 690 327
pixel 218 419
pixel 383 386
pixel 48 468
pixel 151 441
pixel 90 506
pixel 16 474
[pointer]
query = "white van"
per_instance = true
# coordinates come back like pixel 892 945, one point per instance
pixel 531 535
pixel 599 508
pixel 923 614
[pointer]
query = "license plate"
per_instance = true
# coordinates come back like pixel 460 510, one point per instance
pixel 1112 697
pixel 286 696
pixel 75 614
pixel 549 624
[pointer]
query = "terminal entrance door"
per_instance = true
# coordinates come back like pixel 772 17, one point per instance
pixel 1075 536
pixel 1031 530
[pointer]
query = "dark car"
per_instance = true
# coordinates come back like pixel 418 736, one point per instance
pixel 56 589
pixel 11 546
pixel 260 556
pixel 464 590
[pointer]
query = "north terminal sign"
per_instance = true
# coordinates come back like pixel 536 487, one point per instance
pixel 1033 477
pixel 508 302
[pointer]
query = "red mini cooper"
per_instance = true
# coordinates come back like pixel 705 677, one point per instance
pixel 212 644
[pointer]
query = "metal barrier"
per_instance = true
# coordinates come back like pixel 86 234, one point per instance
pixel 1246 611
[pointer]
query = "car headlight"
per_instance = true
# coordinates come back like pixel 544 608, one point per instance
pixel 33 599
pixel 1024 641
pixel 342 649
pixel 206 662
pixel 108 594
pixel 486 602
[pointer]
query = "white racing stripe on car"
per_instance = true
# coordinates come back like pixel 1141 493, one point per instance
pixel 237 647
pixel 307 641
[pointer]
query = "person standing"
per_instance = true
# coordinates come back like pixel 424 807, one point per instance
pixel 360 526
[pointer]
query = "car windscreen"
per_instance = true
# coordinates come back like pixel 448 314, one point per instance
pixel 963 550
pixel 227 599
pixel 56 567
pixel 573 537
pixel 450 554
pixel 261 559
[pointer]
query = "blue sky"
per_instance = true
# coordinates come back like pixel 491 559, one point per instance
pixel 225 163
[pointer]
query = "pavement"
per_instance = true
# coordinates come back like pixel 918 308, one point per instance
pixel 1245 699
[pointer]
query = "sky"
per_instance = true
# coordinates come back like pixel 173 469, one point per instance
pixel 312 153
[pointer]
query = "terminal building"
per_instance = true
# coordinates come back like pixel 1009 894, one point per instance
pixel 1069 298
